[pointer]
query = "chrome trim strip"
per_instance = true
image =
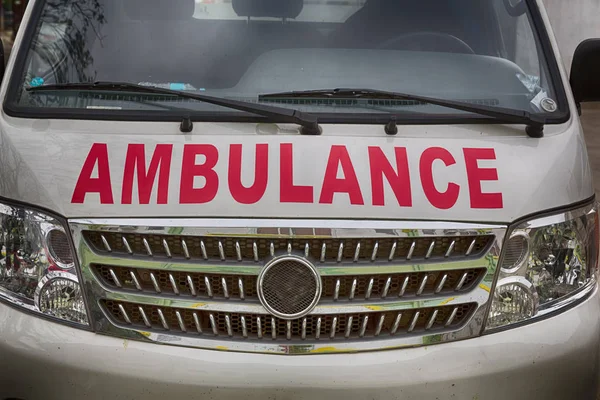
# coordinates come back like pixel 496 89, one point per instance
pixel 404 287
pixel 163 320
pixel 144 317
pixel 471 247
pixel 333 328
pixel 186 252
pixel 147 247
pixel 369 289
pixel 461 282
pixel 380 325
pixel 115 278
pixel 375 249
pixel 323 252
pixel 451 317
pixel 393 251
pixel 411 251
pixel 228 325
pixel 336 293
pixel 363 327
pixel 348 326
pixel 213 324
pixel 422 285
pixel 225 289
pixel 304 328
pixel 105 243
pixel 430 250
pixel 450 249
pixel 191 285
pixel 413 323
pixel 126 245
pixel 386 289
pixel 173 284
pixel 255 251
pixel 203 250
pixel 441 283
pixel 431 320
pixel 238 251
pixel 259 328
pixel 208 287
pixel 273 329
pixel 340 253
pixel 396 324
pixel 241 289
pixel 221 251
pixel 357 252
pixel 318 330
pixel 272 249
pixel 353 289
pixel 180 321
pixel 135 280
pixel 167 249
pixel 288 330
pixel 306 250
pixel 197 323
pixel 155 283
pixel 124 313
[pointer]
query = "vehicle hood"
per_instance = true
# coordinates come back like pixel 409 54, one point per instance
pixel 105 169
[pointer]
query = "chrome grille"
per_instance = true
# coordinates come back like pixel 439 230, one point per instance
pixel 258 249
pixel 335 288
pixel 193 283
pixel 262 326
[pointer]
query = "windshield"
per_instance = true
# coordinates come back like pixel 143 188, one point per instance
pixel 478 51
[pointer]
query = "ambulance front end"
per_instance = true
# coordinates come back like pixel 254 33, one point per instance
pixel 296 200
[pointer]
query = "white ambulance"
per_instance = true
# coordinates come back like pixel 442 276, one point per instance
pixel 296 199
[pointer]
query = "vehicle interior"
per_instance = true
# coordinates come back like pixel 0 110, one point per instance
pixel 160 41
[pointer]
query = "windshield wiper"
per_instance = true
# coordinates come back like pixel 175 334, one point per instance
pixel 308 122
pixel 534 123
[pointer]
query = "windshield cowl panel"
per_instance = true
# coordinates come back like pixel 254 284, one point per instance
pixel 471 51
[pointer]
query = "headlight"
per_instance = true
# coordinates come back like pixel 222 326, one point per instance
pixel 37 265
pixel 547 264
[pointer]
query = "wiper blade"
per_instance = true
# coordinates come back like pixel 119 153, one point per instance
pixel 309 122
pixel 534 123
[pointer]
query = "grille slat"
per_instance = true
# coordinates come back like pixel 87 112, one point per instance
pixel 335 288
pixel 351 250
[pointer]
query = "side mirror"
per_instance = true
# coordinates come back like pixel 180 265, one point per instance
pixel 585 79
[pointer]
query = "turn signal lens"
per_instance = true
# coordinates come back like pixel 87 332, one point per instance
pixel 547 264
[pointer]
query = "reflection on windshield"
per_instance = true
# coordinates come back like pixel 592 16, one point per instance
pixel 475 50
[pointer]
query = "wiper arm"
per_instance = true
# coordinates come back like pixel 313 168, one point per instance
pixel 309 122
pixel 534 123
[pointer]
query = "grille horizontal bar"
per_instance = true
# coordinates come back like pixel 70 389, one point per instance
pixel 359 250
pixel 356 326
pixel 335 288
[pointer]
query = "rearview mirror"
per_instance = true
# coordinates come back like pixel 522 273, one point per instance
pixel 585 79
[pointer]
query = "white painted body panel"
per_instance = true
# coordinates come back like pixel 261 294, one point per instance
pixel 555 359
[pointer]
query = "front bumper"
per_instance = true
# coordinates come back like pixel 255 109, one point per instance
pixel 557 358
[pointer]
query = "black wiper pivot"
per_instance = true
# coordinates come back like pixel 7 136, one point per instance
pixel 308 122
pixel 534 124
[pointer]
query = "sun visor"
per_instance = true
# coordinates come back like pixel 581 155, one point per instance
pixel 288 9
pixel 160 9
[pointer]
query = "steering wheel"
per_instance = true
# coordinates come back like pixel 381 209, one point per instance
pixel 428 41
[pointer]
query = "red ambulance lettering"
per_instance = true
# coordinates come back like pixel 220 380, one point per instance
pixel 398 179
pixel 252 194
pixel 339 157
pixel 135 161
pixel 442 200
pixel 102 184
pixel 188 194
pixel 477 175
pixel 288 192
